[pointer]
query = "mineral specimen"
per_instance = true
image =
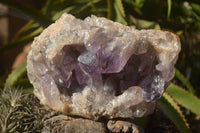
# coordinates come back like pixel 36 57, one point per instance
pixel 98 68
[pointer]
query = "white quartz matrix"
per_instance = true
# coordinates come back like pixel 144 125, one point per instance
pixel 99 68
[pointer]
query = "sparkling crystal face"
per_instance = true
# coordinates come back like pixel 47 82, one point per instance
pixel 97 68
pixel 79 67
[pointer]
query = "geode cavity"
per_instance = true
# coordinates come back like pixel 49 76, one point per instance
pixel 98 68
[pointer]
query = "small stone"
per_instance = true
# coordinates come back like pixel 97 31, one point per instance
pixel 66 124
pixel 99 68
pixel 119 126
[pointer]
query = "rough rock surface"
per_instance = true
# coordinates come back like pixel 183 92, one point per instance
pixel 98 68
pixel 66 124
pixel 123 127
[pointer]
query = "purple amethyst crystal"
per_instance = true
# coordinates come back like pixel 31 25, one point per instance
pixel 98 68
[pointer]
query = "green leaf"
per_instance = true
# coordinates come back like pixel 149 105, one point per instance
pixel 30 12
pixel 173 112
pixel 15 75
pixel 93 6
pixel 144 24
pixel 47 7
pixel 66 10
pixel 70 2
pixel 195 7
pixel 28 90
pixel 31 25
pixel 184 98
pixel 116 11
pixel 87 6
pixel 24 81
pixel 22 40
pixel 169 6
pixel 182 78
pixel 67 3
pixel 136 5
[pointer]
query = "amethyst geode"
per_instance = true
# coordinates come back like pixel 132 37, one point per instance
pixel 98 68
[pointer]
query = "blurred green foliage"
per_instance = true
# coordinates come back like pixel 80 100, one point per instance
pixel 179 17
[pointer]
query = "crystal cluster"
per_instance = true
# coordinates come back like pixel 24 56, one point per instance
pixel 98 68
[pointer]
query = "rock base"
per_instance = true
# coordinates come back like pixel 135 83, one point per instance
pixel 66 124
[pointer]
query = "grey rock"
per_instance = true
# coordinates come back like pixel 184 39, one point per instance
pixel 66 124
pixel 119 126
